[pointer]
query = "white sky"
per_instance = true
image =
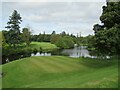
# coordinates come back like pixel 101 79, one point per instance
pixel 73 17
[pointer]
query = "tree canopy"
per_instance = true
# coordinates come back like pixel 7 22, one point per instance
pixel 14 28
pixel 26 35
pixel 107 35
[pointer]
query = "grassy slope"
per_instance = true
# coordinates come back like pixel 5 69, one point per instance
pixel 43 45
pixel 59 72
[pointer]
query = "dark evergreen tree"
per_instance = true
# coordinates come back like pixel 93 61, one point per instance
pixel 14 28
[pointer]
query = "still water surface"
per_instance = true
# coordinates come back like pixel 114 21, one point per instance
pixel 75 52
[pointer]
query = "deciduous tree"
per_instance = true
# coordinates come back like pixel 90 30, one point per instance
pixel 26 34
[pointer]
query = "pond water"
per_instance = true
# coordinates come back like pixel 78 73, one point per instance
pixel 41 54
pixel 75 52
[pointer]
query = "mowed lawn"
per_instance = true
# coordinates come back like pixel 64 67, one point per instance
pixel 60 72
pixel 43 45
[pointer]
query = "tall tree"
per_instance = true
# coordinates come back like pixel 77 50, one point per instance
pixel 97 28
pixel 111 14
pixel 108 36
pixel 63 33
pixel 14 28
pixel 26 35
pixel 54 38
pixel 53 32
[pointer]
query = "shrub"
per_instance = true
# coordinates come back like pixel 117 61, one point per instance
pixel 65 42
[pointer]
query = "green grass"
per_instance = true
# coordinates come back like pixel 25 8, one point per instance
pixel 60 72
pixel 44 45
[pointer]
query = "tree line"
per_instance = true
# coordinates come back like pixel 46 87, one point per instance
pixel 106 39
pixel 14 36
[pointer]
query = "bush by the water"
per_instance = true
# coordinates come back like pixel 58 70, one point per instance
pixel 9 51
pixel 65 42
pixel 34 47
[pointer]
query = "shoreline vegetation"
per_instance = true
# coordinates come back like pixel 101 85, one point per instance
pixel 33 47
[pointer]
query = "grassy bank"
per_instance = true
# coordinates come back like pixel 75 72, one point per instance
pixel 60 72
pixel 44 46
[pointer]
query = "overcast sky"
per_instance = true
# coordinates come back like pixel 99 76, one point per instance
pixel 72 17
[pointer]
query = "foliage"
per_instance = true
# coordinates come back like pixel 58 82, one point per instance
pixel 34 46
pixel 26 35
pixel 2 40
pixel 46 38
pixel 53 32
pixel 65 42
pixel 54 38
pixel 63 33
pixel 111 14
pixel 97 27
pixel 108 39
pixel 13 26
pixel 107 36
pixel 34 38
pixel 41 37
pixel 6 36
